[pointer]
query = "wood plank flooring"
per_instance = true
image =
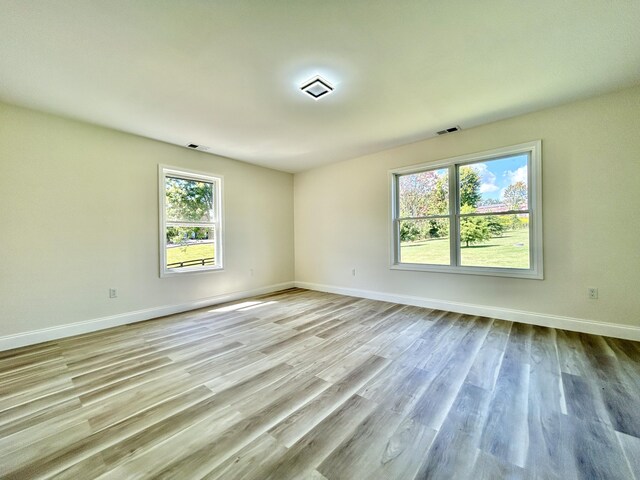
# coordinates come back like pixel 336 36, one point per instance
pixel 308 385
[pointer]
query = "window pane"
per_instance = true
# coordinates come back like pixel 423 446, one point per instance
pixel 494 185
pixel 189 200
pixel 190 247
pixel 425 241
pixel 495 241
pixel 424 193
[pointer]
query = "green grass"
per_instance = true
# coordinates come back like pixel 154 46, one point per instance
pixel 509 251
pixel 190 252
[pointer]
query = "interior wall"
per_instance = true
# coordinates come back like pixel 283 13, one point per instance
pixel 79 215
pixel 591 197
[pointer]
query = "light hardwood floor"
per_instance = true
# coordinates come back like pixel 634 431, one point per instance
pixel 308 385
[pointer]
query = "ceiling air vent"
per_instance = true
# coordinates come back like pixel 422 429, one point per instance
pixel 193 146
pixel 449 130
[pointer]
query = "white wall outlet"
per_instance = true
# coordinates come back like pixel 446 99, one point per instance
pixel 251 272
pixel 592 292
pixel 353 272
pixel 113 293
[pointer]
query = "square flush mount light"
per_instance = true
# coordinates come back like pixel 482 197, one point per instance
pixel 316 87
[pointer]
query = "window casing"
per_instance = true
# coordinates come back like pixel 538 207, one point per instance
pixel 191 221
pixel 465 230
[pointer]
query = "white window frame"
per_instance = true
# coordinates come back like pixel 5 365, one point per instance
pixel 534 172
pixel 217 222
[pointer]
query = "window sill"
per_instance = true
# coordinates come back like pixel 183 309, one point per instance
pixel 185 271
pixel 486 271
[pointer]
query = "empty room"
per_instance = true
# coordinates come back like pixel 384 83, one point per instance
pixel 355 240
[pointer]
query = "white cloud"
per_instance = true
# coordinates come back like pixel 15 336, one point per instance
pixel 520 175
pixel 481 169
pixel 488 187
pixel 487 178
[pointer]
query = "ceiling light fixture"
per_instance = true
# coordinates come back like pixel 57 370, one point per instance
pixel 316 87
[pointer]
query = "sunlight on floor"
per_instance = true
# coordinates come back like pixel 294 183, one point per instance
pixel 243 306
pixel 260 304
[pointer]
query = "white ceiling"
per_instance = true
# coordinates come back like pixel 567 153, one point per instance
pixel 224 73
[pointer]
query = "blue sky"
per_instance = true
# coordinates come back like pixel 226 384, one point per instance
pixel 497 175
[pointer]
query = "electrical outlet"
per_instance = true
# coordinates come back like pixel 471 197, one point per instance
pixel 592 292
pixel 113 293
pixel 353 272
pixel 251 272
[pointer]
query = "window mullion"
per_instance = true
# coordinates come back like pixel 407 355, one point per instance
pixel 490 214
pixel 180 223
pixel 454 244
pixel 428 217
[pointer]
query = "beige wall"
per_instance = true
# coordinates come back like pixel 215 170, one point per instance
pixel 79 214
pixel 591 196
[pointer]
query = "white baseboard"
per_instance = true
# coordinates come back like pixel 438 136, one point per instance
pixel 567 323
pixel 617 330
pixel 46 334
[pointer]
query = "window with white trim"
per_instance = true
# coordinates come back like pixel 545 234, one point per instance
pixel 475 214
pixel 190 221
